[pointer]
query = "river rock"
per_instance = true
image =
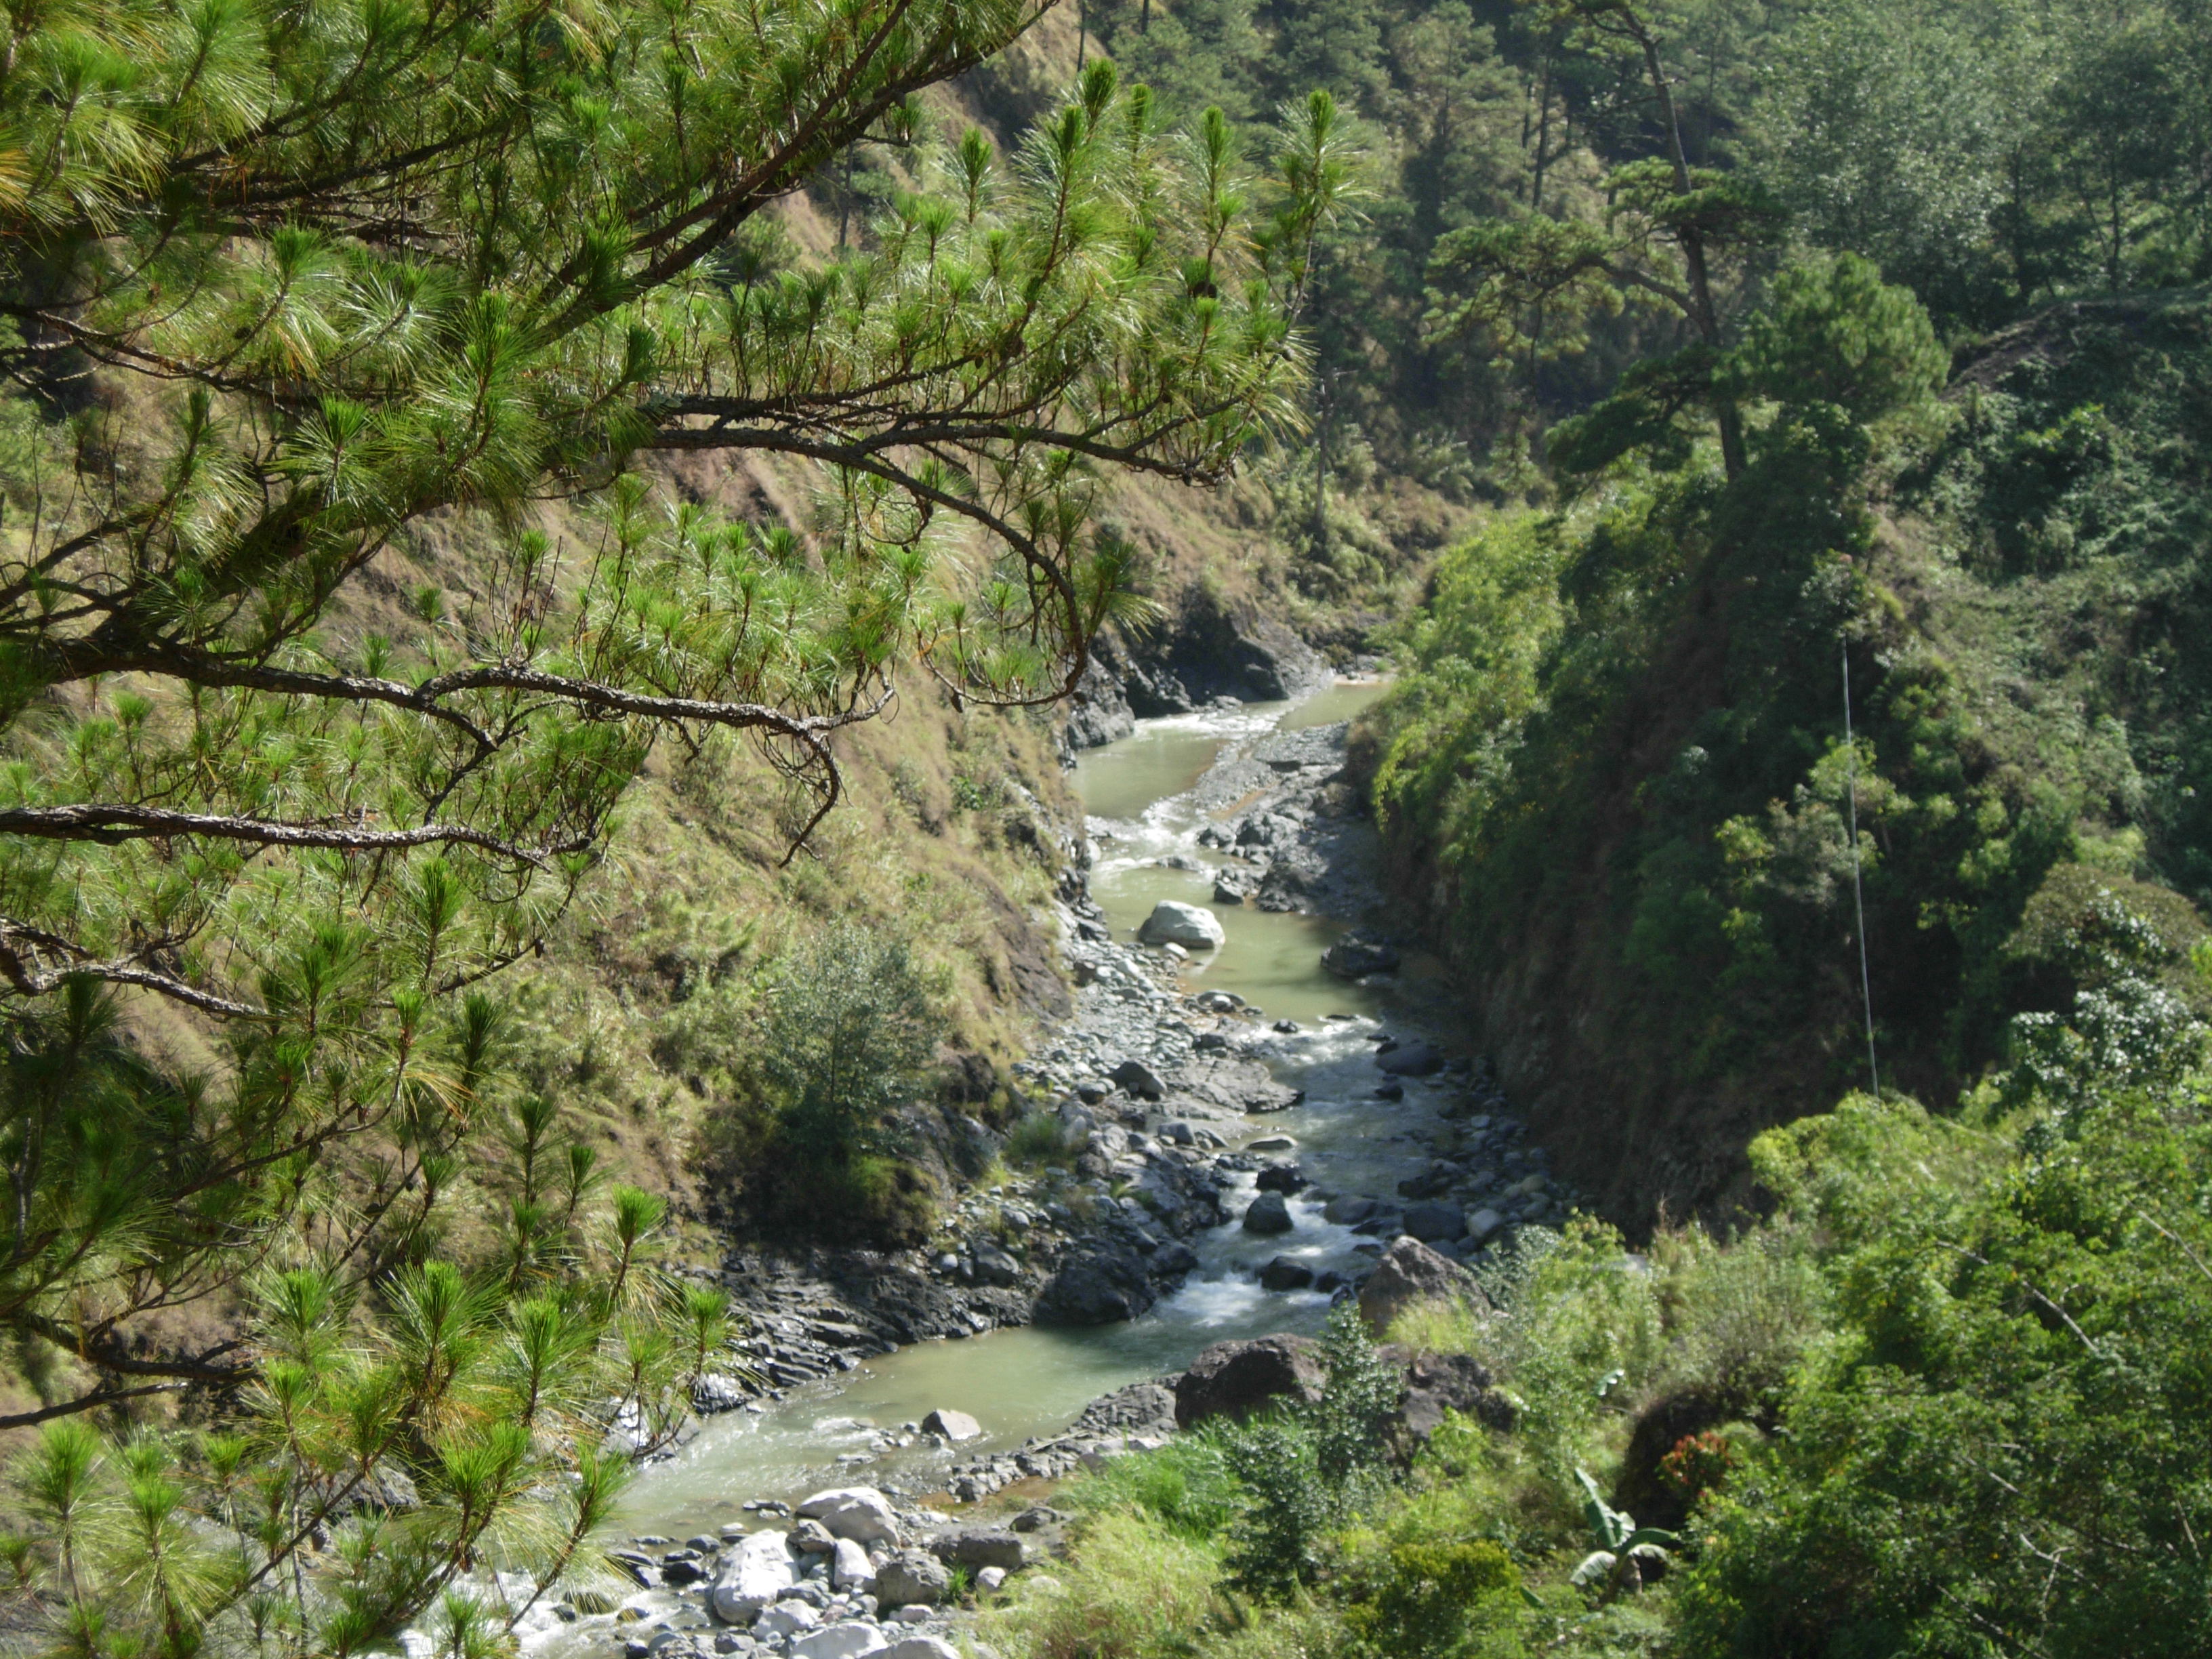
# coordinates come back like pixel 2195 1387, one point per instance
pixel 1437 1384
pixel 1235 1379
pixel 1348 1210
pixel 1230 1085
pixel 712 1392
pixel 1139 1408
pixel 1267 1213
pixel 1099 1284
pixel 1354 957
pixel 1007 1550
pixel 1435 1222
pixel 849 1640
pixel 1140 1079
pixel 911 1578
pixel 860 1513
pixel 753 1571
pixel 1411 1272
pixel 994 1266
pixel 1411 1059
pixel 850 1570
pixel 953 1426
pixel 1285 1272
pixel 919 1647
pixel 785 1619
pixel 1281 1178
pixel 1173 922
pixel 1482 1223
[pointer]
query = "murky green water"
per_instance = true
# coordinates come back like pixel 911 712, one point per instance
pixel 1020 1383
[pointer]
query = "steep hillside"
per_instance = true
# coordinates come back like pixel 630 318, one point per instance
pixel 1616 776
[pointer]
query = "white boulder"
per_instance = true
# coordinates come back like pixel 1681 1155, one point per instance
pixel 752 1573
pixel 919 1647
pixel 860 1513
pixel 785 1619
pixel 1173 922
pixel 851 1569
pixel 953 1426
pixel 845 1641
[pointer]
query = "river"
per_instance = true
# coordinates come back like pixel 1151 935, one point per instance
pixel 1031 1382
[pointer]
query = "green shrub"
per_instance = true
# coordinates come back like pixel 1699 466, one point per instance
pixel 1442 1601
pixel 1186 1486
pixel 1036 1138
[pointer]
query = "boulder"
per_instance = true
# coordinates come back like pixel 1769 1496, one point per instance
pixel 953 1426
pixel 712 1392
pixel 1355 957
pixel 1140 1079
pixel 1173 922
pixel 849 1640
pixel 851 1569
pixel 1099 1284
pixel 1482 1223
pixel 919 1647
pixel 990 1578
pixel 911 1578
pixel 1285 1273
pixel 1006 1551
pixel 753 1572
pixel 1267 1213
pixel 1348 1210
pixel 1147 1408
pixel 1281 1178
pixel 1410 1272
pixel 1435 1221
pixel 1235 1379
pixel 785 1619
pixel 860 1513
pixel 1439 1383
pixel 994 1267
pixel 1411 1059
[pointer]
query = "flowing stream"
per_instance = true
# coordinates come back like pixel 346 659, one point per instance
pixel 1031 1382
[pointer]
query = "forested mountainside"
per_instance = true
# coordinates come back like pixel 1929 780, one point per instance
pixel 551 557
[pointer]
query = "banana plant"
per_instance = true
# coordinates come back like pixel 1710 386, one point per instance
pixel 1615 1565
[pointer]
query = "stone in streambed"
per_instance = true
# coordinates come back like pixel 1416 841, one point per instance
pixel 1008 1552
pixel 919 1647
pixel 1411 1059
pixel 1267 1213
pixel 1285 1273
pixel 753 1572
pixel 860 1513
pixel 785 1619
pixel 911 1578
pixel 1435 1222
pixel 1173 922
pixel 953 1426
pixel 1140 1079
pixel 849 1640
pixel 850 1570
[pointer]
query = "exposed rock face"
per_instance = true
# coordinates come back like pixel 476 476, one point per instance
pixel 1267 1213
pixel 1173 922
pixel 1210 648
pixel 1410 1272
pixel 1099 1285
pixel 860 1513
pixel 1235 1379
pixel 911 1578
pixel 751 1576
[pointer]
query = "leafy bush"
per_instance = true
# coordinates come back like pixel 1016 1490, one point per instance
pixel 1441 1601
pixel 1036 1138
pixel 1186 1486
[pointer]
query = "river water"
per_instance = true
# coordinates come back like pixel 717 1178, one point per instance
pixel 1031 1382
